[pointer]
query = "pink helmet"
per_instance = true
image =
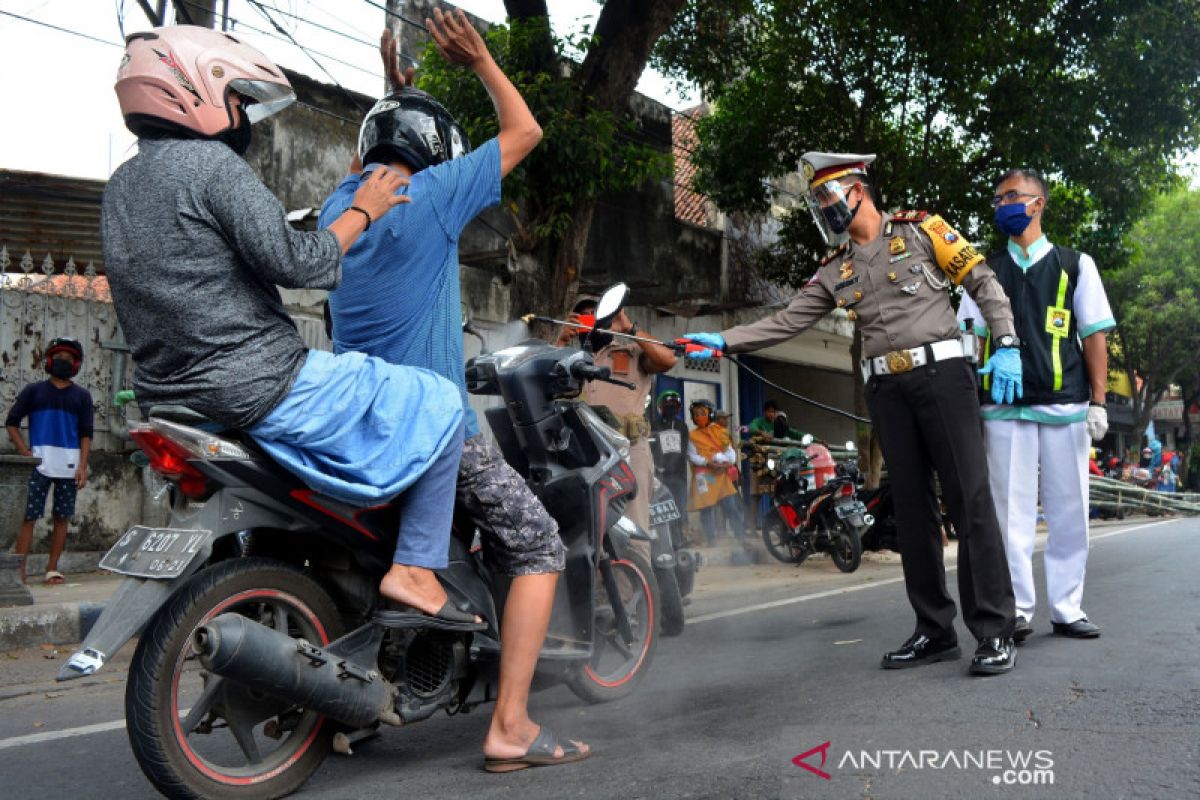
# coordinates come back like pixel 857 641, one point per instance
pixel 180 76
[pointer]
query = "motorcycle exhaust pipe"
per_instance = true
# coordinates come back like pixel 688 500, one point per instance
pixel 261 658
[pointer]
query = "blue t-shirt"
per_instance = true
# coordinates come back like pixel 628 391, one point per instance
pixel 399 296
pixel 58 419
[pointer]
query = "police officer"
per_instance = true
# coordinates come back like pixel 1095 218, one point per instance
pixel 1039 443
pixel 670 454
pixel 890 272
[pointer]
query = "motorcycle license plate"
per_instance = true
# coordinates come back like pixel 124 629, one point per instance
pixel 663 512
pixel 850 509
pixel 155 552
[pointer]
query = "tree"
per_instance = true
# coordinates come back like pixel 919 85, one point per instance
pixel 592 145
pixel 1156 300
pixel 1100 95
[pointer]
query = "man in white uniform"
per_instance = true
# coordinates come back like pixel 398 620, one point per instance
pixel 1041 440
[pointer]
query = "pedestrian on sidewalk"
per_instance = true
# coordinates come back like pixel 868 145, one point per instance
pixel 60 416
pixel 1039 441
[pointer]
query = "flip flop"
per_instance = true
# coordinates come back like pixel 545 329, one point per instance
pixel 447 618
pixel 539 754
pixel 53 578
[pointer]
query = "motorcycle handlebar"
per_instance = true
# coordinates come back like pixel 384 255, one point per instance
pixel 590 372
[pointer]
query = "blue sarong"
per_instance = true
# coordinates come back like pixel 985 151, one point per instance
pixel 359 429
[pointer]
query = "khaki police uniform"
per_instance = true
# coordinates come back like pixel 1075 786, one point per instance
pixel 921 393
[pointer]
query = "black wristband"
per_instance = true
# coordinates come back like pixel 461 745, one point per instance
pixel 1098 405
pixel 365 214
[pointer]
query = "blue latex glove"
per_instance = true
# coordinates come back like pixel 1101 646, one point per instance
pixel 1005 368
pixel 713 341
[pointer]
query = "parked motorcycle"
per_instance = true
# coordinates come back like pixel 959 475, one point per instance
pixel 812 512
pixel 263 640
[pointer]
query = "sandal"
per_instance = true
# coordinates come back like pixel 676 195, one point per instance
pixel 447 618
pixel 53 578
pixel 539 754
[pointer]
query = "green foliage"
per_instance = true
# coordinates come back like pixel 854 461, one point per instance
pixel 1156 296
pixel 585 153
pixel 1101 95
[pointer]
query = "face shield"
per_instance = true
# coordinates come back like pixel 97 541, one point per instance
pixel 831 210
pixel 269 98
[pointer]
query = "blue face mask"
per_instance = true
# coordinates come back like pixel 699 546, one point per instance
pixel 1012 219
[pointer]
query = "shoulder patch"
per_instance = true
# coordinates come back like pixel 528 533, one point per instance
pixel 954 254
pixel 835 253
pixel 910 216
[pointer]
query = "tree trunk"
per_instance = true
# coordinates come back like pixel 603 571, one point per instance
pixel 625 32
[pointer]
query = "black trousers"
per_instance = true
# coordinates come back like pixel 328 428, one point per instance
pixel 928 419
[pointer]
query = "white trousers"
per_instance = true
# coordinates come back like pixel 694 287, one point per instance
pixel 1023 457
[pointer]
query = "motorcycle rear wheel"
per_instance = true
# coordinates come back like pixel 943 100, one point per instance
pixel 847 547
pixel 780 543
pixel 615 669
pixel 173 706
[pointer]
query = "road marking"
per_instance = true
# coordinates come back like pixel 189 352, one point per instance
pixel 86 730
pixel 804 598
pixel 50 736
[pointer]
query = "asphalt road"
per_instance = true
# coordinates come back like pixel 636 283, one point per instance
pixel 760 677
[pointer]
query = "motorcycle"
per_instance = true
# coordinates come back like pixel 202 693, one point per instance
pixel 813 512
pixel 675 566
pixel 263 641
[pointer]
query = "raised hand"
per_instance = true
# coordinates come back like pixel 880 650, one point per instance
pixel 457 39
pixel 397 77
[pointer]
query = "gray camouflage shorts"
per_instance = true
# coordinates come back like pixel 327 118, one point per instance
pixel 519 535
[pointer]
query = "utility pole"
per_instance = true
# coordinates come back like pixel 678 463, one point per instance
pixel 197 12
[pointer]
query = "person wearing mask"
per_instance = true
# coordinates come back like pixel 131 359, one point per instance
pixel 1038 441
pixel 635 362
pixel 671 440
pixel 890 273
pixel 194 248
pixel 710 451
pixel 60 414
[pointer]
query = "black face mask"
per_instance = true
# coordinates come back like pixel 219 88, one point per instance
pixel 839 217
pixel 238 137
pixel 62 369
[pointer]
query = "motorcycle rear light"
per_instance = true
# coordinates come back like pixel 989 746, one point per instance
pixel 170 459
pixel 847 490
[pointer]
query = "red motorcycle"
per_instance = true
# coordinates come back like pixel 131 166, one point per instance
pixel 815 508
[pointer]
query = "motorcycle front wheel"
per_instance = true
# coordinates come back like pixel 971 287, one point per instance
pixel 780 542
pixel 847 546
pixel 616 667
pixel 197 735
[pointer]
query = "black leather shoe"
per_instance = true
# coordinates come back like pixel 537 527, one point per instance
pixel 1079 629
pixel 994 656
pixel 1022 630
pixel 920 649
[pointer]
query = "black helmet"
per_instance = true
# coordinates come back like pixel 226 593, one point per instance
pixel 63 344
pixel 412 127
pixel 703 404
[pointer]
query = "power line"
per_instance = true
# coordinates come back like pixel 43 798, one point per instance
pixel 61 30
pixel 262 10
pixel 400 17
pixel 233 22
pixel 335 31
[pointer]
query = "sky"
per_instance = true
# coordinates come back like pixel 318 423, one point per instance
pixel 60 112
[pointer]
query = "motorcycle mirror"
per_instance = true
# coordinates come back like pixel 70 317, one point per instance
pixel 807 439
pixel 851 446
pixel 610 304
